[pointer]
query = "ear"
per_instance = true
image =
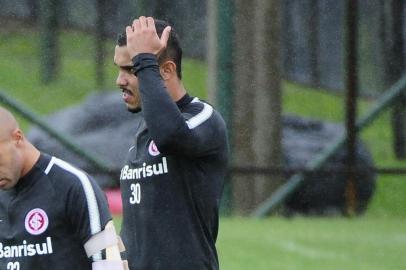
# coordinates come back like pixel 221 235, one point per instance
pixel 18 136
pixel 167 70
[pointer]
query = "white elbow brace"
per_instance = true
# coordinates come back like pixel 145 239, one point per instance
pixel 106 240
pixel 110 265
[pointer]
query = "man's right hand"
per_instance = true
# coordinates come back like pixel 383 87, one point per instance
pixel 143 38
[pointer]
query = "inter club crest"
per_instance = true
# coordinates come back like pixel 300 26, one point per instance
pixel 36 221
pixel 152 149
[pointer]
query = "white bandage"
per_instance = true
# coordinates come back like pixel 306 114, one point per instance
pixel 121 246
pixel 101 241
pixel 109 241
pixel 110 265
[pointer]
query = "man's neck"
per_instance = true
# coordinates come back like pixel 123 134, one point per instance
pixel 31 157
pixel 176 90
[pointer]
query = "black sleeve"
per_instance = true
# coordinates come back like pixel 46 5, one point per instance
pixel 167 125
pixel 87 208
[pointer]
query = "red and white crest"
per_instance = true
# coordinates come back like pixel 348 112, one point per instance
pixel 36 221
pixel 152 149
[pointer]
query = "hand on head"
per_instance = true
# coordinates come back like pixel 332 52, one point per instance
pixel 143 38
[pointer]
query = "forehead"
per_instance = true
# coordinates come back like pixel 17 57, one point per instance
pixel 7 123
pixel 122 57
pixel 4 137
pixel 5 134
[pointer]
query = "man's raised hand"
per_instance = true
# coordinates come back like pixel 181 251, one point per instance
pixel 143 38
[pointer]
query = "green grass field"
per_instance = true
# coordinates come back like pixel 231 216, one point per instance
pixel 311 243
pixel 319 243
pixel 374 241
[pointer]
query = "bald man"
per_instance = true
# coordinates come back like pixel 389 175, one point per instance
pixel 18 156
pixel 51 213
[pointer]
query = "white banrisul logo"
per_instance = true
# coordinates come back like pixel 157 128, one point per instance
pixel 36 221
pixel 147 170
pixel 152 149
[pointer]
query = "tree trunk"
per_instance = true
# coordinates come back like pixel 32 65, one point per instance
pixel 49 10
pixel 212 51
pixel 391 37
pixel 351 103
pixel 220 72
pixel 100 48
pixel 268 95
pixel 257 99
pixel 394 67
pixel 314 42
pixel 243 186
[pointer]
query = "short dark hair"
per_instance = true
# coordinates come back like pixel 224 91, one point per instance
pixel 173 49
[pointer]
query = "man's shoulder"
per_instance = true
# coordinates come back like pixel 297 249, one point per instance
pixel 63 174
pixel 201 109
pixel 194 107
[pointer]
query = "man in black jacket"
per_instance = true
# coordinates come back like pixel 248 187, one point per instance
pixel 173 177
pixel 51 213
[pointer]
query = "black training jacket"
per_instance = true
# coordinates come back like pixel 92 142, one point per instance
pixel 172 180
pixel 48 216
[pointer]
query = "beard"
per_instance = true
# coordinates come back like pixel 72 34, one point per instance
pixel 134 110
pixel 135 105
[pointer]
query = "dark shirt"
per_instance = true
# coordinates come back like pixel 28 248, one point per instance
pixel 48 216
pixel 173 179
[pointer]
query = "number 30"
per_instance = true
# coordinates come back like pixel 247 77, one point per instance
pixel 13 266
pixel 135 193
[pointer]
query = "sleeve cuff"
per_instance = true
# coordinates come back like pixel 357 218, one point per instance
pixel 144 60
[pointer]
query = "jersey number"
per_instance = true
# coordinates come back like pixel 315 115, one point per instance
pixel 135 193
pixel 13 266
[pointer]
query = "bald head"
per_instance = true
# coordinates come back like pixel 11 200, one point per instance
pixel 18 155
pixel 8 124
